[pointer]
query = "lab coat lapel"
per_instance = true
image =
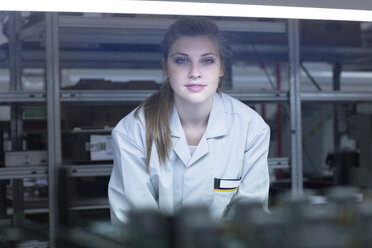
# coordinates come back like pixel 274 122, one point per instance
pixel 179 141
pixel 200 151
pixel 216 127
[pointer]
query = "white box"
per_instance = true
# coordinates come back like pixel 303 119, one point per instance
pixel 100 147
pixel 25 158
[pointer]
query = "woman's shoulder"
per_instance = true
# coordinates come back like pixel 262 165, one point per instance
pixel 234 106
pixel 242 116
pixel 131 123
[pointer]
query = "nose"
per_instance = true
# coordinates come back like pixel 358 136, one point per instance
pixel 194 70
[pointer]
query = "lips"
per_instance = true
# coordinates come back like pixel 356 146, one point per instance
pixel 195 87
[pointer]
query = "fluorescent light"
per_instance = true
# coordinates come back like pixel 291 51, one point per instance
pixel 187 8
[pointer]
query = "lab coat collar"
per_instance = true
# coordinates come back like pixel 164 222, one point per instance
pixel 178 137
pixel 216 127
pixel 217 122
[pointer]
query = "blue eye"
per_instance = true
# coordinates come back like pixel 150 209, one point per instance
pixel 181 61
pixel 207 61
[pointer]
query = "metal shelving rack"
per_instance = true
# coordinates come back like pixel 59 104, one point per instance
pixel 55 29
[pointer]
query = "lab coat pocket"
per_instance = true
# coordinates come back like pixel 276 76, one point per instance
pixel 224 190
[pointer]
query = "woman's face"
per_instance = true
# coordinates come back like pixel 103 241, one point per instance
pixel 193 67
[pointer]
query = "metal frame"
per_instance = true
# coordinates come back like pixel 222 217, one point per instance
pixel 295 107
pixel 54 120
pixel 15 73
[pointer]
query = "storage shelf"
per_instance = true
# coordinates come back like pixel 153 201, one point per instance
pixel 105 169
pixel 94 58
pixel 22 97
pixel 88 33
pixel 116 29
pixel 140 95
pixel 23 172
pixel 264 96
pixel 94 170
pixel 88 170
pixel 116 23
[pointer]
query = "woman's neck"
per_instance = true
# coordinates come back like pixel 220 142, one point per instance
pixel 194 120
pixel 194 115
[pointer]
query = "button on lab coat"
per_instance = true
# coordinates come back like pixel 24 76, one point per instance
pixel 234 147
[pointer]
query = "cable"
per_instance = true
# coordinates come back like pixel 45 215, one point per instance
pixel 263 66
pixel 310 77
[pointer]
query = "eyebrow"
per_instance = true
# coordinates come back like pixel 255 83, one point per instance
pixel 184 54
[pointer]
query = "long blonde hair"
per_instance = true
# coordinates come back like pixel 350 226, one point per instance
pixel 158 107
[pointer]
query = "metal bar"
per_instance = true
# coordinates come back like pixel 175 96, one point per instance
pixel 164 23
pixel 22 97
pixel 18 202
pixel 270 96
pixel 336 96
pixel 105 169
pixel 32 31
pixel 15 66
pixel 336 85
pixel 15 74
pixel 88 170
pixel 54 120
pixel 310 77
pixel 93 170
pixel 94 96
pixel 87 56
pixel 295 106
pixel 23 172
pixel 140 95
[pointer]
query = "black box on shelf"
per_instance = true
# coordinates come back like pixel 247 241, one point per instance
pixel 87 145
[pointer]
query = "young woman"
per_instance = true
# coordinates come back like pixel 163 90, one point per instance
pixel 189 143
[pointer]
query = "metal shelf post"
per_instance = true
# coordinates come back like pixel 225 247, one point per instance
pixel 54 119
pixel 15 74
pixel 295 106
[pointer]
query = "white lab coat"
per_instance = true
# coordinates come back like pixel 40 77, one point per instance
pixel 234 147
